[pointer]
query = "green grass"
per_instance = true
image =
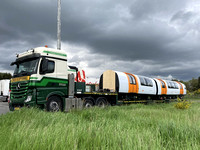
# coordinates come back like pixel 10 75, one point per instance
pixel 192 97
pixel 138 126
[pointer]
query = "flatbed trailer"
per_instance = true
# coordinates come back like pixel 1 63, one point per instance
pixel 110 98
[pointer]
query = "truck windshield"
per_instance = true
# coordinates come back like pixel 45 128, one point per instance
pixel 26 68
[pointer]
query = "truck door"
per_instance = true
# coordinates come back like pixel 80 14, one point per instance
pixel 48 82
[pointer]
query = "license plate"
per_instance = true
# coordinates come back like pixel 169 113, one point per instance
pixel 17 108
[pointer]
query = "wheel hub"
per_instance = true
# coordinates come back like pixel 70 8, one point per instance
pixel 54 106
pixel 88 105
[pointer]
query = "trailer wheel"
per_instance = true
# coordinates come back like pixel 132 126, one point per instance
pixel 88 103
pixel 54 104
pixel 101 102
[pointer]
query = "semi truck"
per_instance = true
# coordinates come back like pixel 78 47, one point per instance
pixel 4 89
pixel 43 78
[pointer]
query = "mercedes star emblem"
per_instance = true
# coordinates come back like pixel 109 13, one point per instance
pixel 18 86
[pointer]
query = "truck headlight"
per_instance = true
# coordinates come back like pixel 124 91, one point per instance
pixel 28 99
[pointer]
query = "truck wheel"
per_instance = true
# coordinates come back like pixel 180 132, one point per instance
pixel 88 103
pixel 101 102
pixel 54 104
pixel 11 108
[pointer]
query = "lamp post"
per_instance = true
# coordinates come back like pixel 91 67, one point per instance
pixel 59 26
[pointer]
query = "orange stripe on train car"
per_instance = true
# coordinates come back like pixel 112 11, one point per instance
pixel 163 90
pixel 181 90
pixel 133 88
pixel 136 84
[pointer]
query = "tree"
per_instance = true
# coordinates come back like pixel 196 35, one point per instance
pixel 5 76
pixel 192 85
pixel 198 83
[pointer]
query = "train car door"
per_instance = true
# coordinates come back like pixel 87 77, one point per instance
pixel 133 83
pixel 163 87
pixel 181 87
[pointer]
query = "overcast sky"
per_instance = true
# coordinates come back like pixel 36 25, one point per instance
pixel 146 37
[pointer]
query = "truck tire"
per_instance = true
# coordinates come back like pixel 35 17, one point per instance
pixel 11 108
pixel 54 104
pixel 101 102
pixel 88 103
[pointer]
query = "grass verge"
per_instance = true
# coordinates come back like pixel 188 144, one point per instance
pixel 156 126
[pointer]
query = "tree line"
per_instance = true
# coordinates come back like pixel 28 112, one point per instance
pixel 5 76
pixel 193 84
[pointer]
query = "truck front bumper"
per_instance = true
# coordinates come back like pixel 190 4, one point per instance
pixel 15 105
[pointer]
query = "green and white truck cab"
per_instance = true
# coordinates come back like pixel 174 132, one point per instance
pixel 40 78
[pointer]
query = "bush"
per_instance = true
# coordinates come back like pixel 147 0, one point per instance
pixel 197 92
pixel 182 104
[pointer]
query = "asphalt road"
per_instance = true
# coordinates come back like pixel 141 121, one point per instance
pixel 4 107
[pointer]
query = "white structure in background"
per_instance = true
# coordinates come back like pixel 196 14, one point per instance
pixel 0 86
pixel 4 89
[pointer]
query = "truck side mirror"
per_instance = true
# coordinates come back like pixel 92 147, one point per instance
pixel 44 66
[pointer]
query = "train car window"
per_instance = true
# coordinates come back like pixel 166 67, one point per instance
pixel 176 86
pixel 163 84
pixel 172 85
pixel 133 78
pixel 169 85
pixel 148 82
pixel 130 79
pixel 142 81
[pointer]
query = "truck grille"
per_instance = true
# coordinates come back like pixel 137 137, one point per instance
pixel 19 90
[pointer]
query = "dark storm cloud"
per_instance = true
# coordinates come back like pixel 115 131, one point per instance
pixel 25 19
pixel 147 9
pixel 158 33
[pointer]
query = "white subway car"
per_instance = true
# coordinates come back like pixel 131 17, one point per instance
pixel 140 87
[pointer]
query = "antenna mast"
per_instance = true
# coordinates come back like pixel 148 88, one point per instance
pixel 59 26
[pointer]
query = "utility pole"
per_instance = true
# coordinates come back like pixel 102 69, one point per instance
pixel 59 26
